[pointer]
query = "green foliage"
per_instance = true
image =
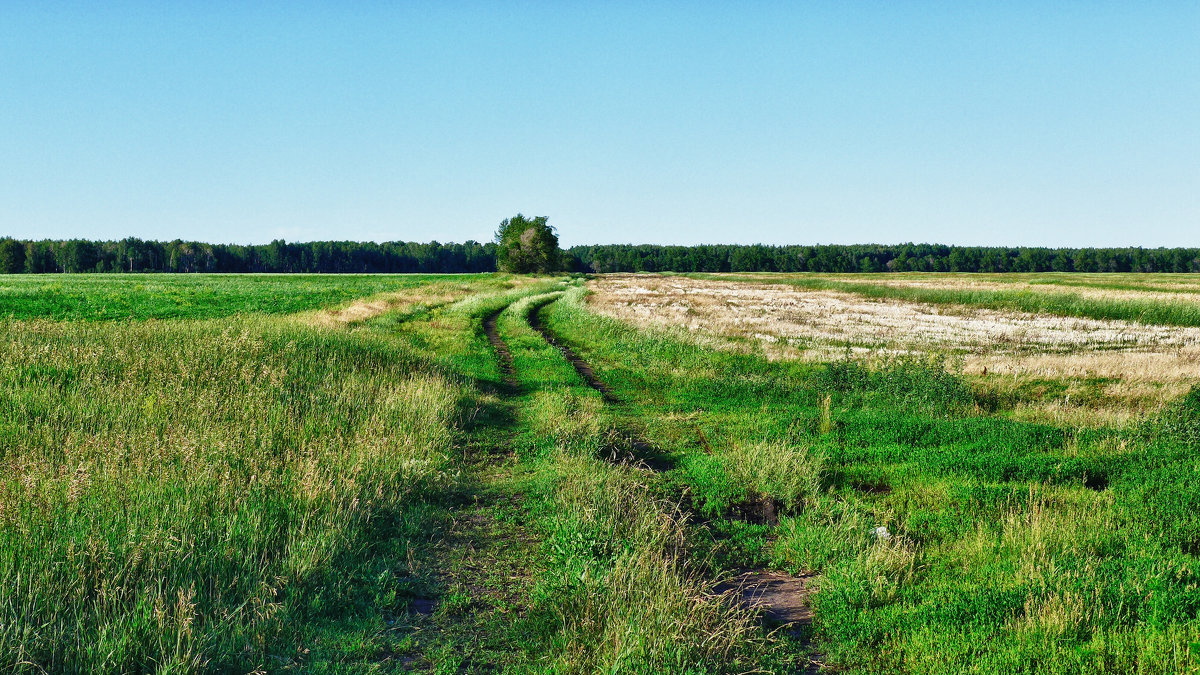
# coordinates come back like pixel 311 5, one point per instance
pixel 137 255
pixel 870 258
pixel 527 246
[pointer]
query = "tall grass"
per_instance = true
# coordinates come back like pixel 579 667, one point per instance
pixel 622 591
pixel 182 496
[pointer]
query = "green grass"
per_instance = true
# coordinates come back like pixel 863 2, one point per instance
pixel 89 297
pixel 1014 547
pixel 251 492
pixel 225 494
pixel 196 494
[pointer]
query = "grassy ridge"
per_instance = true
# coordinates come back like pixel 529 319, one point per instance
pixel 90 297
pixel 1011 547
pixel 1037 302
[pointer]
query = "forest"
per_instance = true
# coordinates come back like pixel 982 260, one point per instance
pixel 880 258
pixel 138 255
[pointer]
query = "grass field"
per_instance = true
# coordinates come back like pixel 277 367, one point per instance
pixel 402 474
pixel 116 297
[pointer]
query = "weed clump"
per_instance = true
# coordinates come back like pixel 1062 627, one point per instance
pixel 1180 423
pixel 925 382
pixel 754 481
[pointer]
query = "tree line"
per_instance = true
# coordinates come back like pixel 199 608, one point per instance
pixel 137 255
pixel 880 258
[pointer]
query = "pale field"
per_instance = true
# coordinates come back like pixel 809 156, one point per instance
pixel 1172 287
pixel 1156 291
pixel 1116 371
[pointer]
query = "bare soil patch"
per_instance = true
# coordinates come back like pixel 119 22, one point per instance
pixel 783 599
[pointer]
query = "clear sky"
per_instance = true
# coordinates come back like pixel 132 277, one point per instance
pixel 1050 123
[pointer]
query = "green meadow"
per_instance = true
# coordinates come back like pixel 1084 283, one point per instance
pixel 116 297
pixel 391 474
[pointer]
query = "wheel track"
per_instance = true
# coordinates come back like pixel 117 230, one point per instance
pixel 781 598
pixel 507 372
pixel 585 371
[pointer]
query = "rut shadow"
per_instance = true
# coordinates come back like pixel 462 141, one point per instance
pixel 631 449
pixel 836 479
pixel 627 447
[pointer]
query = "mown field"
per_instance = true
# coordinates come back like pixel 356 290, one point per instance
pixel 382 474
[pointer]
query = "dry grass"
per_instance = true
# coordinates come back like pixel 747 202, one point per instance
pixel 361 310
pixel 1170 292
pixel 429 295
pixel 1148 365
pixel 835 319
pixel 1163 287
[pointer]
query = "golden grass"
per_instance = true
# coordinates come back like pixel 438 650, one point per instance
pixel 429 295
pixel 369 308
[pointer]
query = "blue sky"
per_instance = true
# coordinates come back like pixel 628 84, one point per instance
pixel 1007 123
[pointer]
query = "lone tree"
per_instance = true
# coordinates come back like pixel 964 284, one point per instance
pixel 527 245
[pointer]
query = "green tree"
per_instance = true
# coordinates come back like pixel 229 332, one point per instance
pixel 527 245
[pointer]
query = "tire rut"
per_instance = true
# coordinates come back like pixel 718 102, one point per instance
pixel 585 371
pixel 508 374
pixel 781 599
pixel 632 449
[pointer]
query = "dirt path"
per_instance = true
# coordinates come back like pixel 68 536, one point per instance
pixel 478 581
pixel 782 599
